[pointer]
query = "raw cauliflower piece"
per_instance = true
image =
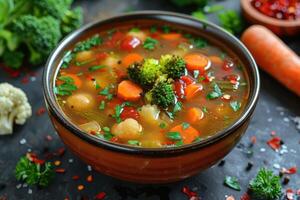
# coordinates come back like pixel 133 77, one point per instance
pixel 14 108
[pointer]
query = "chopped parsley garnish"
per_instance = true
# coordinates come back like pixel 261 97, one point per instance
pixel 198 42
pixel 174 135
pixel 95 68
pixel 216 93
pixel 223 55
pixel 153 29
pixel 232 182
pixel 34 174
pixel 67 87
pixel 106 92
pixel 88 43
pixel 198 139
pixel 235 105
pixel 204 109
pixel 67 59
pixel 150 43
pixel 177 108
pixel 118 111
pixel 166 29
pixel 84 62
pixel 107 134
pixel 102 105
pixel 162 125
pixel 179 143
pixel 185 125
pixel 134 142
pixel 135 30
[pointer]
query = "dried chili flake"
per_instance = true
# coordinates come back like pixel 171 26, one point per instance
pixel 292 170
pixel 245 196
pixel 25 80
pixel 186 190
pixel 60 170
pixel 13 73
pixel 40 111
pixel 75 177
pixel 80 187
pixel 89 178
pixel 275 143
pixel 100 196
pixel 289 194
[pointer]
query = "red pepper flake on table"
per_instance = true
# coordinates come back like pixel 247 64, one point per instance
pixel 40 111
pixel 100 196
pixel 275 143
pixel 189 193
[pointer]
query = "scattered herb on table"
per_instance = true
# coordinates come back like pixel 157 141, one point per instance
pixel 265 185
pixel 150 43
pixel 34 174
pixel 232 182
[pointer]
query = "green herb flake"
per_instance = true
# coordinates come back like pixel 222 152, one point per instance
pixel 197 139
pixel 196 74
pixel 34 174
pixel 185 125
pixel 232 182
pixel 88 43
pixel 67 59
pixel 199 15
pixel 177 107
pixel 153 29
pixel 198 42
pixel 150 43
pixel 134 142
pixel 105 91
pixel 162 125
pixel 179 143
pixel 79 74
pixel 102 105
pixel 95 68
pixel 204 109
pixel 66 88
pixel 107 135
pixel 135 30
pixel 235 105
pixel 166 29
pixel 216 93
pixel 174 135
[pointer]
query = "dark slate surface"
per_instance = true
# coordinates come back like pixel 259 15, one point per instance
pixel 276 108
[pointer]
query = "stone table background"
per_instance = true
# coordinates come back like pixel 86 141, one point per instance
pixel 275 110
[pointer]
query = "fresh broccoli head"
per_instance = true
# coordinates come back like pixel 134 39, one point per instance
pixel 13 59
pixel 265 185
pixel 162 94
pixel 39 34
pixel 173 65
pixel 71 20
pixel 14 108
pixel 145 73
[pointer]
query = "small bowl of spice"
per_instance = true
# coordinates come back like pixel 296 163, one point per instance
pixel 280 16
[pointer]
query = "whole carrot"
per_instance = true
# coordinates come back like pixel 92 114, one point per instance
pixel 273 56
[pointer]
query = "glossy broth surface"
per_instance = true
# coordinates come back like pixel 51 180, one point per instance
pixel 207 99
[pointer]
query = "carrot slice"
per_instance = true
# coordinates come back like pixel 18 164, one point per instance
pixel 192 90
pixel 194 114
pixel 76 79
pixel 188 134
pixel 129 91
pixel 131 58
pixel 196 62
pixel 171 36
pixel 273 56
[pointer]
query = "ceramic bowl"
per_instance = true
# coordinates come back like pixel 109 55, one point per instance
pixel 161 165
pixel 279 27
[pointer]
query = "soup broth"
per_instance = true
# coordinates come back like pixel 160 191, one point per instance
pixel 151 86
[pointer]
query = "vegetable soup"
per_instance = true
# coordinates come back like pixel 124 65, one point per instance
pixel 151 86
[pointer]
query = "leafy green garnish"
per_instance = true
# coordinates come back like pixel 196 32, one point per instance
pixel 235 105
pixel 185 125
pixel 102 105
pixel 174 135
pixel 135 30
pixel 232 182
pixel 150 43
pixel 67 59
pixel 216 93
pixel 204 109
pixel 179 143
pixel 107 135
pixel 95 68
pixel 34 174
pixel 118 111
pixel 265 185
pixel 134 142
pixel 166 29
pixel 199 15
pixel 162 125
pixel 177 108
pixel 231 21
pixel 198 139
pixel 88 43
pixel 198 42
pixel 67 87
pixel 106 92
pixel 153 29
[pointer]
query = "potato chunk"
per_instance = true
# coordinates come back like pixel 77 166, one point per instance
pixel 129 129
pixel 150 114
pixel 80 102
pixel 84 56
pixel 139 34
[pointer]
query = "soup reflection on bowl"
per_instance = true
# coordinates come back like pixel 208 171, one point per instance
pixel 151 97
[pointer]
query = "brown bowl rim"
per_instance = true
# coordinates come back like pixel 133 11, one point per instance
pixel 165 16
pixel 250 10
